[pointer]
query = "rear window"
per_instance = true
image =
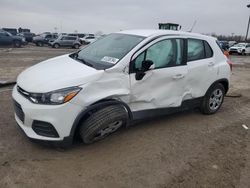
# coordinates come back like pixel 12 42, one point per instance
pixel 198 49
pixel 208 50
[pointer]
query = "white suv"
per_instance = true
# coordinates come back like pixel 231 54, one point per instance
pixel 240 48
pixel 120 78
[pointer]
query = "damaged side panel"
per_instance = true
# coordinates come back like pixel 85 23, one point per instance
pixel 110 85
pixel 160 88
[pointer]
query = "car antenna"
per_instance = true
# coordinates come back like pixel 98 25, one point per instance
pixel 193 26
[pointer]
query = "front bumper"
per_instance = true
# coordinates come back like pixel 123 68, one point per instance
pixel 61 117
pixel 235 50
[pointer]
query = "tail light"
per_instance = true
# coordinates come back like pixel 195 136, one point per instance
pixel 230 63
pixel 226 53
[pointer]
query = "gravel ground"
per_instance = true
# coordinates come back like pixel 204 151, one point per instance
pixel 186 149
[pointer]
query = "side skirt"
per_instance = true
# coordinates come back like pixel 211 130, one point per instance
pixel 152 113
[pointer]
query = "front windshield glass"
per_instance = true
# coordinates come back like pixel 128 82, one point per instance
pixel 107 51
pixel 9 33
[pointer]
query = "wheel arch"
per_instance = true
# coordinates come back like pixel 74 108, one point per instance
pixel 97 105
pixel 56 44
pixel 17 41
pixel 223 81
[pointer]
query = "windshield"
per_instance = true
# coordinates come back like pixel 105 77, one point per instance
pixel 107 51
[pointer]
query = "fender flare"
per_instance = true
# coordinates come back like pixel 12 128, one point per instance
pixel 223 81
pixel 99 104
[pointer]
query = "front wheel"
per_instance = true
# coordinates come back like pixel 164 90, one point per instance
pixel 103 123
pixel 213 99
pixel 17 44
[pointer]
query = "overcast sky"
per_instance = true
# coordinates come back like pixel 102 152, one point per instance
pixel 219 16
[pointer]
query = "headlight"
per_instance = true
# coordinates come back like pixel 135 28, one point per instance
pixel 54 97
pixel 23 39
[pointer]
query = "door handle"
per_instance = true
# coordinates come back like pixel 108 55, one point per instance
pixel 178 76
pixel 210 64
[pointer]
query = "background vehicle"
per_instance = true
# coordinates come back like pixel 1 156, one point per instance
pixel 86 35
pixel 42 39
pixel 231 43
pixel 23 30
pixel 7 39
pixel 125 76
pixel 88 39
pixel 12 31
pixel 27 35
pixel 66 41
pixel 224 45
pixel 240 48
pixel 169 26
pixel 79 35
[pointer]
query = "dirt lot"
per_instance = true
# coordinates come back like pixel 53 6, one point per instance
pixel 182 150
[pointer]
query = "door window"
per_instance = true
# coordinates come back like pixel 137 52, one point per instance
pixel 48 37
pixel 208 50
pixel 70 38
pixel 195 50
pixel 198 49
pixel 166 53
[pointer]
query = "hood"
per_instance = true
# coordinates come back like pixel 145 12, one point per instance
pixel 238 47
pixel 56 73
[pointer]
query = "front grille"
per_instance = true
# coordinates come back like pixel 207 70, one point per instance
pixel 19 111
pixel 44 129
pixel 233 50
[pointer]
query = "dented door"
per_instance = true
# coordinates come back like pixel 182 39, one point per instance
pixel 164 85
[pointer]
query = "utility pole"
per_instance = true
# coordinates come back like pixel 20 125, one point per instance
pixel 248 6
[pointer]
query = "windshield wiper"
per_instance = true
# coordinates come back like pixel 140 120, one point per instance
pixel 75 56
pixel 84 62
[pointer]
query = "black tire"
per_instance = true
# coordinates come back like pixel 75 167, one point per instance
pixel 76 46
pixel 108 119
pixel 56 45
pixel 17 43
pixel 40 44
pixel 243 52
pixel 211 107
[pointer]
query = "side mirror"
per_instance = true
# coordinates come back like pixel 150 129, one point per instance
pixel 146 65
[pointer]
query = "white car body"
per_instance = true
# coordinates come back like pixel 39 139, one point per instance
pixel 240 48
pixel 117 83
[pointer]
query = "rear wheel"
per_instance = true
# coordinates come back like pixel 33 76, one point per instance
pixel 213 99
pixel 17 44
pixel 243 52
pixel 56 45
pixel 103 123
pixel 76 46
pixel 40 44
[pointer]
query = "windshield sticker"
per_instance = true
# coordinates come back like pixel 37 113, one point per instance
pixel 110 59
